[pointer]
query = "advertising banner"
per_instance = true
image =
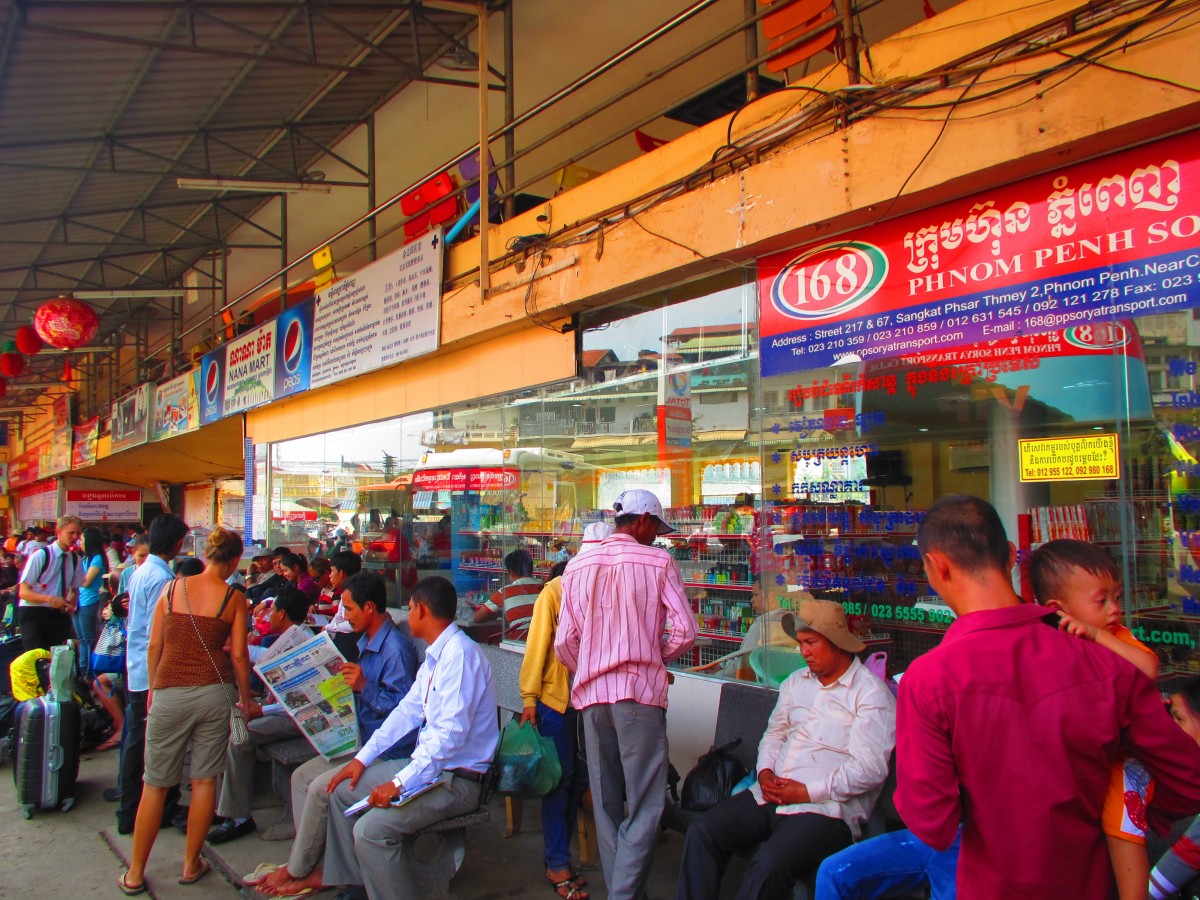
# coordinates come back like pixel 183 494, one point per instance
pixel 83 451
pixel 57 455
pixel 293 349
pixel 212 386
pixel 1101 241
pixel 58 452
pixel 131 418
pixel 177 406
pixel 104 506
pixel 385 313
pixel 249 370
pixel 465 480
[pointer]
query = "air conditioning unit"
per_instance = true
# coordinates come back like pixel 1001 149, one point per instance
pixel 968 456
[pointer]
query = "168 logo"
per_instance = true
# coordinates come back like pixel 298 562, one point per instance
pixel 829 280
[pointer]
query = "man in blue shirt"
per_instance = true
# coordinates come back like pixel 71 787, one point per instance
pixel 145 587
pixel 383 675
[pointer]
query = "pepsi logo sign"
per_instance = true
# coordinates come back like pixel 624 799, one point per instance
pixel 293 346
pixel 829 280
pixel 212 381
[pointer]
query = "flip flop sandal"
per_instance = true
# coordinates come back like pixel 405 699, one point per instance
pixel 573 891
pixel 130 890
pixel 205 868
pixel 259 875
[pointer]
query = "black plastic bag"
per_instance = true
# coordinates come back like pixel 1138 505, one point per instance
pixel 713 778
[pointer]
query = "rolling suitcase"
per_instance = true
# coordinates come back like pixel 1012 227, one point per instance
pixel 46 755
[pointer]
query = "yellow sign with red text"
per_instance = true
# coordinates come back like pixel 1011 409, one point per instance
pixel 1093 457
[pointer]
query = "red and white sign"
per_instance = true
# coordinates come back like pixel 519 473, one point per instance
pixel 1109 239
pixel 294 515
pixel 465 480
pixel 104 506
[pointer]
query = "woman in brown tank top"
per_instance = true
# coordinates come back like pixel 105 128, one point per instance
pixel 193 682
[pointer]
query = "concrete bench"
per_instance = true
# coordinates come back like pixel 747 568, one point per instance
pixel 437 852
pixel 286 757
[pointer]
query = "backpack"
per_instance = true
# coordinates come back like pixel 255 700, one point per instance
pixel 713 778
pixel 62 575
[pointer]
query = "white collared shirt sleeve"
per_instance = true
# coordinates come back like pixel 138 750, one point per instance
pixel 460 683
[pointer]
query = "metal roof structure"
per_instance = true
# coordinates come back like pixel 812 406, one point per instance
pixel 104 104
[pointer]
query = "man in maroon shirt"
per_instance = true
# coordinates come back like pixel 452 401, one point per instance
pixel 1011 726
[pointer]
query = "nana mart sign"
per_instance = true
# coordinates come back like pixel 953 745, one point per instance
pixel 1109 239
pixel 267 363
pixel 1093 457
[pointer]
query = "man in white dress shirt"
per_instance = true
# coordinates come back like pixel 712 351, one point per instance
pixel 821 765
pixel 453 702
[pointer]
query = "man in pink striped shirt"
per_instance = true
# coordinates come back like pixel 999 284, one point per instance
pixel 624 617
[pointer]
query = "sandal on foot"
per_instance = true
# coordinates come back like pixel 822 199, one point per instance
pixel 130 890
pixel 578 878
pixel 111 744
pixel 259 875
pixel 568 890
pixel 205 868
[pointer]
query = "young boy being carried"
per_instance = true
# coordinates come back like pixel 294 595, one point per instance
pixel 1083 583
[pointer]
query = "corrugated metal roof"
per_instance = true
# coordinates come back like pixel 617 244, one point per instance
pixel 105 103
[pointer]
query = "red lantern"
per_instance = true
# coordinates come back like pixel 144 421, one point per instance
pixel 12 363
pixel 66 323
pixel 28 341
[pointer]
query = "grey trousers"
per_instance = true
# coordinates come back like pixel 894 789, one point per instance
pixel 368 849
pixel 627 764
pixel 310 813
pixel 237 791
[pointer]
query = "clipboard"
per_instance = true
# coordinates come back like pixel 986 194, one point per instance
pixel 407 797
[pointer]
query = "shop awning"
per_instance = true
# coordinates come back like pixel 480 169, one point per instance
pixel 213 452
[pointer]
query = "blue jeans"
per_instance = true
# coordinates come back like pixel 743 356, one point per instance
pixel 87 629
pixel 896 862
pixel 561 806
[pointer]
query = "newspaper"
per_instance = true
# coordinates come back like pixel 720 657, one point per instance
pixel 302 671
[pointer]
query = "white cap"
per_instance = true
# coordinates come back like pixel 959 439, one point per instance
pixel 593 534
pixel 636 501
pixel 596 532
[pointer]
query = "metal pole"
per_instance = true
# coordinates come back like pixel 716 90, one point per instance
pixel 850 42
pixel 752 88
pixel 283 251
pixel 484 153
pixel 371 223
pixel 510 111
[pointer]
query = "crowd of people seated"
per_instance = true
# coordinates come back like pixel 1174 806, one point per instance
pixel 1032 751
